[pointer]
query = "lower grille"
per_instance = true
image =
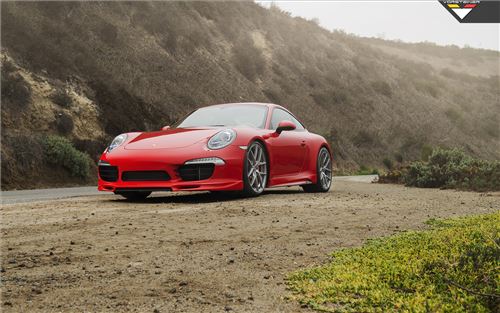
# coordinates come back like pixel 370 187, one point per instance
pixel 196 171
pixel 108 173
pixel 145 176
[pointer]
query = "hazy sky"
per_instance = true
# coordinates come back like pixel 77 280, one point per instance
pixel 408 20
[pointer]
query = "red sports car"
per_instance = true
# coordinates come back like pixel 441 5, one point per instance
pixel 239 146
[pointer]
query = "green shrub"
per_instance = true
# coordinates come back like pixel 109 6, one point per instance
pixel 60 151
pixel 450 268
pixel 449 169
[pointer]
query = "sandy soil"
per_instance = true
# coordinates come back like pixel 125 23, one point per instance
pixel 198 252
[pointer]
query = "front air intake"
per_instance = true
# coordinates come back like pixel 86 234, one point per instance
pixel 145 176
pixel 108 173
pixel 196 171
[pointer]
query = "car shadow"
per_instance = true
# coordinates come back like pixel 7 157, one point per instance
pixel 203 197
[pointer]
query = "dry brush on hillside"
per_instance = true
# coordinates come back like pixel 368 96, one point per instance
pixel 88 71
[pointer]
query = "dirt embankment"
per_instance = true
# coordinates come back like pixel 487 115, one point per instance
pixel 197 252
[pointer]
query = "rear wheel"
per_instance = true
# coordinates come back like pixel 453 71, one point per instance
pixel 255 170
pixel 323 172
pixel 135 195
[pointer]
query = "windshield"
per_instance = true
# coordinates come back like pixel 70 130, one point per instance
pixel 231 115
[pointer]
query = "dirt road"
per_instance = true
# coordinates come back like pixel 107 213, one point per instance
pixel 198 252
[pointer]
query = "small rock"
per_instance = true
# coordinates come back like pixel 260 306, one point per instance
pixel 12 261
pixel 183 283
pixel 172 290
pixel 228 308
pixel 71 242
pixel 36 291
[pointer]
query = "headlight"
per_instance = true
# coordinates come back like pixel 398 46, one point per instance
pixel 118 141
pixel 221 139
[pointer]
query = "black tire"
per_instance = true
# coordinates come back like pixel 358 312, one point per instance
pixel 135 195
pixel 321 185
pixel 251 188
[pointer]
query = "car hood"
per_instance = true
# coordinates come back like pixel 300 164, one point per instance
pixel 170 139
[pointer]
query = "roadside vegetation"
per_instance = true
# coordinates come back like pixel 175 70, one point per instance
pixel 60 151
pixel 447 168
pixel 453 267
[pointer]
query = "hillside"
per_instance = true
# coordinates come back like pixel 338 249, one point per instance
pixel 88 71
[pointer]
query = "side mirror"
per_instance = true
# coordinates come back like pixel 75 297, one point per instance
pixel 285 125
pixel 165 127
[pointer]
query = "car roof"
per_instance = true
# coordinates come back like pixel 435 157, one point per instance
pixel 246 103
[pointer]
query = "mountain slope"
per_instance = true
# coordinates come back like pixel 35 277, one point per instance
pixel 143 65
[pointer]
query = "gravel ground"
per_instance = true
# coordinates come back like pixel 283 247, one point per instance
pixel 198 252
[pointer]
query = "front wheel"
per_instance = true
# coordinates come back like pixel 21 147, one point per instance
pixel 323 172
pixel 135 195
pixel 255 170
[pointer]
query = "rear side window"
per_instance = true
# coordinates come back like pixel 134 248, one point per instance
pixel 282 115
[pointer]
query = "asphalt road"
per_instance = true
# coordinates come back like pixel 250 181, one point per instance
pixel 34 195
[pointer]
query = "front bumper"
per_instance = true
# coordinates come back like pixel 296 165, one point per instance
pixel 224 177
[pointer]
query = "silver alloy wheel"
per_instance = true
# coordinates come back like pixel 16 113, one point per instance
pixel 257 168
pixel 325 169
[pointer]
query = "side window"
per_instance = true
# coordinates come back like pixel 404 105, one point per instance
pixel 281 115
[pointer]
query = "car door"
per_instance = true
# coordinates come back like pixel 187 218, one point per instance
pixel 288 149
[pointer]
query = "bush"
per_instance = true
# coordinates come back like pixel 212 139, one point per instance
pixel 383 88
pixel 399 157
pixel 387 163
pixel 15 90
pixel 248 59
pixel 364 170
pixel 60 151
pixel 425 152
pixel 64 123
pixel 450 268
pixel 449 169
pixel 20 157
pixel 62 98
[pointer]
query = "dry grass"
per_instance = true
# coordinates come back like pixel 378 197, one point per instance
pixel 146 64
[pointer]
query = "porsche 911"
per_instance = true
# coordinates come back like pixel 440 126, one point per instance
pixel 244 147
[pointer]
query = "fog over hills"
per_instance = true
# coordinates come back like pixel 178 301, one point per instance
pixel 88 71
